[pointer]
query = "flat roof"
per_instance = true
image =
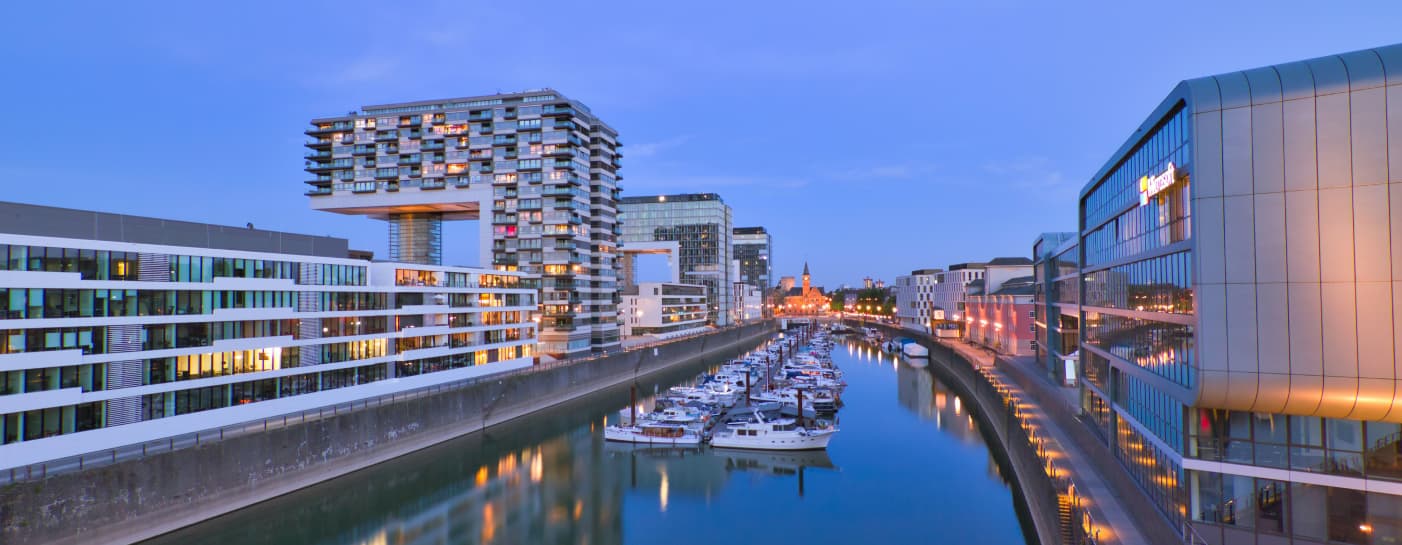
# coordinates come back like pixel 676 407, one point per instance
pixel 52 221
pixel 680 197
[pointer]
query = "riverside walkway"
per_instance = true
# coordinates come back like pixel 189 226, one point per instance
pixel 1118 512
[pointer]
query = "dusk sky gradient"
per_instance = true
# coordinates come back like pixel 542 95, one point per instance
pixel 870 138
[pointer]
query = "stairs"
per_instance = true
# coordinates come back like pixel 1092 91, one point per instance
pixel 1065 519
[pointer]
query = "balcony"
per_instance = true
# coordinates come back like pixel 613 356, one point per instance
pixel 318 191
pixel 318 155
pixel 386 136
pixel 433 184
pixel 363 187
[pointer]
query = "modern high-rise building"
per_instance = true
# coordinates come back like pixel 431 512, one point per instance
pixel 538 171
pixel 1241 302
pixel 120 330
pixel 754 249
pixel 700 224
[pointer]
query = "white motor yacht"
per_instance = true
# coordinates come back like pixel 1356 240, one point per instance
pixel 781 434
pixel 653 433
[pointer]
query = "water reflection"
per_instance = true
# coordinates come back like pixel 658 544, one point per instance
pixel 550 478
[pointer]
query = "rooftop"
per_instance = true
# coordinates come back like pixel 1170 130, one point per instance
pixel 748 231
pixel 1009 261
pixel 50 221
pixel 682 197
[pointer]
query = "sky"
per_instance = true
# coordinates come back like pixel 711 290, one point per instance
pixel 871 138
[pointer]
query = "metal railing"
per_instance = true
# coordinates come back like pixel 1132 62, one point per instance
pixel 137 451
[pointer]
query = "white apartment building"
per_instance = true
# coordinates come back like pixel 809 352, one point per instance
pixel 915 305
pixel 663 309
pixel 119 330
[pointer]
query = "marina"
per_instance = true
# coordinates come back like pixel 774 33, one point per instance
pixel 553 478
pixel 754 402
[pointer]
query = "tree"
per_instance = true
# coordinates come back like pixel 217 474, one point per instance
pixel 837 301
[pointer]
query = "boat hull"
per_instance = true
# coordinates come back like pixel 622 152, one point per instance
pixel 817 441
pixel 629 436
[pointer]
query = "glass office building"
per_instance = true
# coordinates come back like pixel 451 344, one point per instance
pixel 1241 269
pixel 119 330
pixel 700 223
pixel 754 249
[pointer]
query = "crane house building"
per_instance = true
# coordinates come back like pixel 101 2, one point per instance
pixel 1241 302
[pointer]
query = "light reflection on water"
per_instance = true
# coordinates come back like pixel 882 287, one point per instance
pixel 908 466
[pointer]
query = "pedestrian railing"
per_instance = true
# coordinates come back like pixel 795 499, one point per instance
pixel 138 451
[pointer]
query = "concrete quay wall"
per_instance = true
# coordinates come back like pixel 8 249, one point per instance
pixel 139 499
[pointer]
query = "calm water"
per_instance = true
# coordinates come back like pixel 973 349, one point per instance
pixel 908 467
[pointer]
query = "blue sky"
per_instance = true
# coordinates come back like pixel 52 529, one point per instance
pixel 870 137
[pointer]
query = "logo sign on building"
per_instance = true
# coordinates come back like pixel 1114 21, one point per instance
pixel 1153 185
pixel 937 314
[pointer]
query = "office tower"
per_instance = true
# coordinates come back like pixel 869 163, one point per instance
pixel 700 224
pixel 754 249
pixel 537 170
pixel 1240 283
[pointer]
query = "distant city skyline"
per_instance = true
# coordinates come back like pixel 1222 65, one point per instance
pixel 923 141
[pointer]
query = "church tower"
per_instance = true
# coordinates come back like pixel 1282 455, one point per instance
pixel 805 278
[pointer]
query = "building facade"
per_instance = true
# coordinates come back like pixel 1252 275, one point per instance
pixel 664 309
pixel 700 223
pixel 1001 317
pixel 1240 277
pixel 950 290
pixel 537 169
pixel 1056 273
pixel 119 330
pixel 748 305
pixel 805 298
pixel 754 249
pixel 915 303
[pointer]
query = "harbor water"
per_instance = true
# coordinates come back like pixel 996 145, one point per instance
pixel 908 466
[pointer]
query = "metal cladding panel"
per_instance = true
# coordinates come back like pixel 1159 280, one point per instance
pixel 1394 197
pixel 1207 153
pixel 1340 396
pixel 1395 414
pixel 1236 151
pixel 1368 109
pixel 1375 399
pixel 1296 80
pixel 1240 229
pixel 1300 160
pixel 1265 85
pixel 1267 148
pixel 1340 317
pixel 1236 91
pixel 1241 328
pixel 1213 390
pixel 1365 69
pixel 1394 133
pixel 1302 236
pixel 1269 213
pixel 1244 387
pixel 1372 243
pixel 1306 392
pixel 1273 392
pixel 1212 327
pixel 1306 330
pixel 1273 330
pixel 1204 94
pixel 1391 57
pixel 1375 330
pixel 1336 235
pixel 1210 240
pixel 1332 124
pixel 1330 75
